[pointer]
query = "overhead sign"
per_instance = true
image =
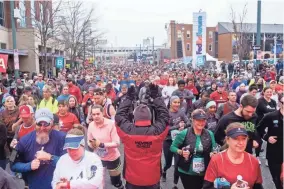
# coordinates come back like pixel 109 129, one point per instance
pixel 3 62
pixel 16 59
pixel 59 62
pixel 256 47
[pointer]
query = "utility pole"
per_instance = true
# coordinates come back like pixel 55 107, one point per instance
pixel 16 64
pixel 258 35
pixel 140 51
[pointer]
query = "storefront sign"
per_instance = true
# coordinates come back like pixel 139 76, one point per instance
pixel 3 62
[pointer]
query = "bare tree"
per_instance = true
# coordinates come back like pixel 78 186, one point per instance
pixel 77 26
pixel 240 33
pixel 46 28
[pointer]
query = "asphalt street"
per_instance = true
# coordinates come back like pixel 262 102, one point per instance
pixel 267 180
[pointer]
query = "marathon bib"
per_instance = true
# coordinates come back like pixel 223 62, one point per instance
pixel 174 133
pixel 101 152
pixel 198 165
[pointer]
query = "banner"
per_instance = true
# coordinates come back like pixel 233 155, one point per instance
pixel 199 35
pixel 59 62
pixel 3 62
pixel 200 60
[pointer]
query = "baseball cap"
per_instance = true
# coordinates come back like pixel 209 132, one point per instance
pixel 220 84
pixel 73 141
pixel 233 133
pixel 199 115
pixel 26 111
pixel 43 114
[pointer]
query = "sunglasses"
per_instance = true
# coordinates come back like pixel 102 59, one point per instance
pixel 43 123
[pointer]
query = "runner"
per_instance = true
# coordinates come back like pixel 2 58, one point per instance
pixel 178 121
pixel 274 137
pixel 39 151
pixel 234 168
pixel 142 141
pixel 103 139
pixel 78 168
pixel 194 145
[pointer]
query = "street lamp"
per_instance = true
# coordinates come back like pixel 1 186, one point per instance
pixel 258 28
pixel 275 41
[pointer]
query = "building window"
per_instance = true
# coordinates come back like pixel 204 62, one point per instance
pixel 179 34
pixel 22 6
pixel 188 34
pixel 3 46
pixel 188 46
pixel 1 13
pixel 41 13
pixel 210 34
pixel 210 47
pixel 32 12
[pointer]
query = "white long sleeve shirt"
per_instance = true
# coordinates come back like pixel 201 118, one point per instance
pixel 86 174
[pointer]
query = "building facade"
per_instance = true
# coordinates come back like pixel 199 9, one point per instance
pixel 180 39
pixel 225 44
pixel 27 39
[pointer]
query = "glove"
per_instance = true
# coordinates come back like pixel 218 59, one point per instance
pixel 131 93
pixel 154 91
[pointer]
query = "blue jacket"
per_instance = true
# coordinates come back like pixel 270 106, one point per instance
pixel 27 148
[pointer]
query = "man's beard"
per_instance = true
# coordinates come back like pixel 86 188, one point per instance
pixel 42 137
pixel 244 116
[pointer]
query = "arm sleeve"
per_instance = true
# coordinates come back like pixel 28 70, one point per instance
pixel 178 141
pixel 264 122
pixel 56 176
pixel 115 139
pixel 208 185
pixel 219 112
pixel 18 165
pixel 93 180
pixel 121 117
pixel 161 121
pixel 220 131
pixel 3 135
pixel 55 107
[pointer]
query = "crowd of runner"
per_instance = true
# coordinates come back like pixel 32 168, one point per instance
pixel 66 132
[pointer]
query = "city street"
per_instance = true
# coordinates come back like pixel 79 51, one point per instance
pixel 267 180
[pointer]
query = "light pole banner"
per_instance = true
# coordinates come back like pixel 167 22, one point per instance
pixel 199 35
pixel 3 62
pixel 59 62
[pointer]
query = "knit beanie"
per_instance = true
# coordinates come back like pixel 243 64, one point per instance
pixel 210 103
pixel 142 115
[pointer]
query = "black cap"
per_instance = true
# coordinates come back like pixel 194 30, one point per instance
pixel 199 116
pixel 237 132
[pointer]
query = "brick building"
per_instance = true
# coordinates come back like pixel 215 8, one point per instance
pixel 27 37
pixel 180 39
pixel 220 39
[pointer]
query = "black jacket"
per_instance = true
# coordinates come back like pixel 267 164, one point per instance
pixel 274 122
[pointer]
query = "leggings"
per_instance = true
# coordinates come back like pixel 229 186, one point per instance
pixel 275 171
pixel 191 181
pixel 168 155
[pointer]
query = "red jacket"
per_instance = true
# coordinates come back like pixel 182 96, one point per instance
pixel 219 98
pixel 142 144
pixel 74 90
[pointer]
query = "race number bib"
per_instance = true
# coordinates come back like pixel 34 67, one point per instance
pixel 101 152
pixel 198 165
pixel 174 133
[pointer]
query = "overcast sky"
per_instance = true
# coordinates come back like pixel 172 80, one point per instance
pixel 128 22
